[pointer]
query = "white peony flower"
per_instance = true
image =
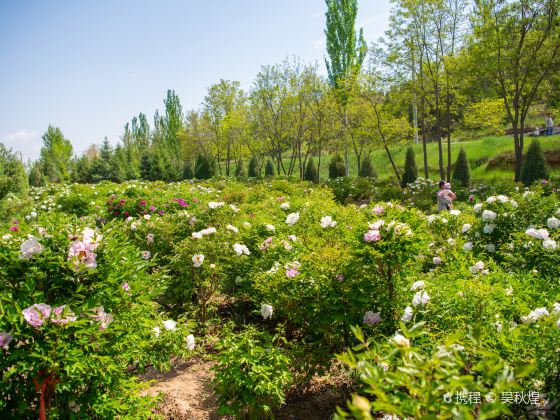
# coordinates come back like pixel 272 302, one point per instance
pixel 292 218
pixel 455 212
pixel 553 223
pixel 549 244
pixel 30 248
pixel 467 246
pixel 170 325
pixel 285 206
pixel 556 308
pixel 421 298
pixel 417 285
pixel 491 248
pixel 466 227
pixel 197 235
pixel 241 249
pixel 197 260
pixel 477 207
pixel 270 228
pixel 407 316
pixel 232 229
pixel 401 341
pixel 157 331
pixel 488 215
pixel 215 205
pixel 327 222
pixel 190 342
pixel 488 228
pixel 535 315
pixel 266 311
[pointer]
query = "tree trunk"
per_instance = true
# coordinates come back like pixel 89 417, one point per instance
pixel 228 157
pixel 347 163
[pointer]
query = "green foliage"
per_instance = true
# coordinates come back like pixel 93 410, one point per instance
pixel 188 171
pixel 311 171
pixel 254 168
pixel 336 167
pixel 240 169
pixel 269 168
pixel 56 155
pixel 251 375
pixel 410 168
pixel 97 331
pixel 534 164
pixel 488 114
pixel 205 167
pixel 413 375
pixel 462 170
pixel 366 168
pixel 13 178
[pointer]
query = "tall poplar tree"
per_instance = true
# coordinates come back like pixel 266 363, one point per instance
pixel 346 50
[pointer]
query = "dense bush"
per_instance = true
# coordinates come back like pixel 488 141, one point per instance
pixel 336 167
pixel 254 170
pixel 462 170
pixel 410 168
pixel 78 316
pixel 13 178
pixel 205 167
pixel 366 168
pixel 311 173
pixel 534 164
pixel 269 168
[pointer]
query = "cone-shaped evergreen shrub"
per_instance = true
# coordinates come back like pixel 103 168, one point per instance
pixel 254 168
pixel 310 173
pixel 534 164
pixel 462 171
pixel 269 168
pixel 240 169
pixel 410 168
pixel 188 171
pixel 336 167
pixel 366 168
pixel 205 167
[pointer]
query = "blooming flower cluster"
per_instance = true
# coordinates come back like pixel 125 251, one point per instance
pixel 36 315
pixel 82 251
pixel 197 260
pixel 203 232
pixel 30 247
pixel 292 269
pixel 292 219
pixel 241 249
pixel 327 221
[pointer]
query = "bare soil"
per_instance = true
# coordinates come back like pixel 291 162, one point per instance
pixel 188 395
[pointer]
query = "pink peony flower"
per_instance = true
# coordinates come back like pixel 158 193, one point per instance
pixel 57 316
pixel 5 339
pixel 125 287
pixel 152 208
pixel 82 253
pixel 100 315
pixel 291 272
pixel 371 318
pixel 372 236
pixel 340 277
pixel 266 244
pixel 150 238
pixel 143 202
pixel 14 228
pixel 36 314
pixel 378 210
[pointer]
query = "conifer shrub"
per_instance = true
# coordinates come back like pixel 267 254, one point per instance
pixel 410 168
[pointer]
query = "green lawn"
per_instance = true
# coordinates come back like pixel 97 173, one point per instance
pixel 478 152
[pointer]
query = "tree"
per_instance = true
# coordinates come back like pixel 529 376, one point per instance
pixel 56 156
pixel 254 168
pixel 336 167
pixel 240 169
pixel 516 47
pixel 346 51
pixel 188 171
pixel 534 165
pixel 462 172
pixel 13 178
pixel 311 171
pixel 205 167
pixel 367 170
pixel 269 168
pixel 410 168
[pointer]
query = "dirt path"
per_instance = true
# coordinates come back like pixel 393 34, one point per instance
pixel 188 394
pixel 187 391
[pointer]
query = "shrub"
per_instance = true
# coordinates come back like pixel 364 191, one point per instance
pixel 269 168
pixel 240 169
pixel 462 171
pixel 251 374
pixel 336 167
pixel 254 168
pixel 366 168
pixel 311 171
pixel 80 307
pixel 13 178
pixel 534 165
pixel 410 168
pixel 205 167
pixel 188 172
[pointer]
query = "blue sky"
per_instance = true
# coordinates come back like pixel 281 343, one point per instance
pixel 89 66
